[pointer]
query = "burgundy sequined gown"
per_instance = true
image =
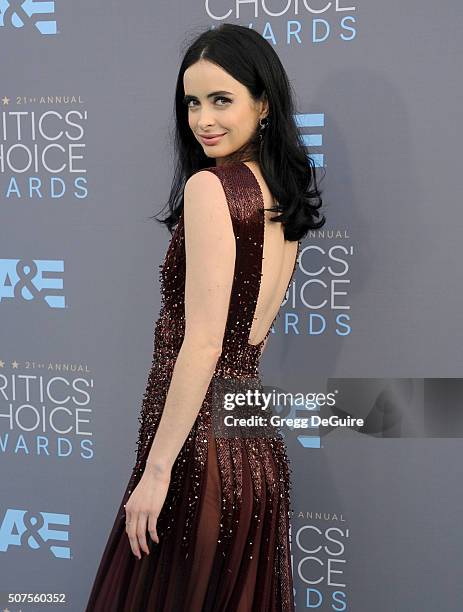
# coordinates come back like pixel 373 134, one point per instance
pixel 224 527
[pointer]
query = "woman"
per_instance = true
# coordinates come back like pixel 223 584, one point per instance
pixel 215 504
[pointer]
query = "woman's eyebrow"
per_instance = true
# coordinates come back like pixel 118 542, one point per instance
pixel 214 93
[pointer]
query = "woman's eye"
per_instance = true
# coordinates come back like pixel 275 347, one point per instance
pixel 226 100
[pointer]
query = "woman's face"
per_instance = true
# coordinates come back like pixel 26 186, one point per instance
pixel 232 113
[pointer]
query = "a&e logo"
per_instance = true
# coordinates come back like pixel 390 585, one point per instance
pixel 36 530
pixel 27 14
pixel 36 279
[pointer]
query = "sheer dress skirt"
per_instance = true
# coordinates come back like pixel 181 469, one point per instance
pixel 247 569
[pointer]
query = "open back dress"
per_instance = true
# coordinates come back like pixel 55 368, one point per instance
pixel 224 541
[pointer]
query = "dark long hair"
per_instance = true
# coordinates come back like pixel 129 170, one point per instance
pixel 286 166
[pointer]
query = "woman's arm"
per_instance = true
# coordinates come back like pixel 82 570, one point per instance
pixel 210 262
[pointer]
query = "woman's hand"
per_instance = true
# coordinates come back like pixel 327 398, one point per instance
pixel 143 508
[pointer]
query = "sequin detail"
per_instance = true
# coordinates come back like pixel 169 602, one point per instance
pixel 254 472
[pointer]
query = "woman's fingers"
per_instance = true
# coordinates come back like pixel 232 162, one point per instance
pixel 136 532
pixel 142 512
pixel 152 527
pixel 131 529
pixel 141 532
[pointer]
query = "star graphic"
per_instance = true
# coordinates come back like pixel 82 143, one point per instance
pixel 5 100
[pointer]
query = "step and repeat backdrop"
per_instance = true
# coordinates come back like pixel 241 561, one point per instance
pixel 372 320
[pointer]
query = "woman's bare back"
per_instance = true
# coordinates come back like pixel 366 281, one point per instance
pixel 279 256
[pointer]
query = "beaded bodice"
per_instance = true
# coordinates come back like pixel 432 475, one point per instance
pixel 239 359
pixel 246 207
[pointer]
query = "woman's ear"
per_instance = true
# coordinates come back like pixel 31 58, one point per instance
pixel 264 106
